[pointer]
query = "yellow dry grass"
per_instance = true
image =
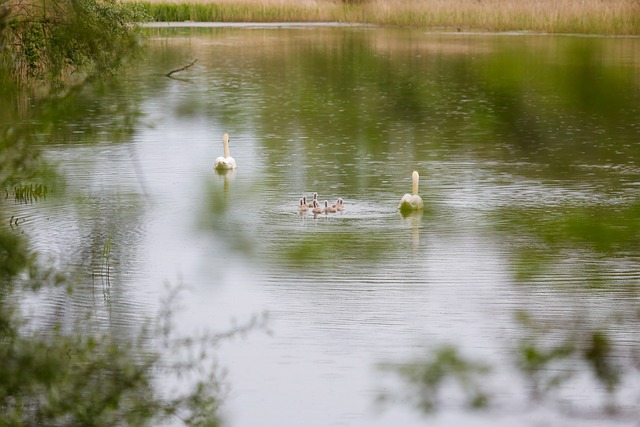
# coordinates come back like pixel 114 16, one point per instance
pixel 584 16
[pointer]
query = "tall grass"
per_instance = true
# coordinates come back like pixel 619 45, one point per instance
pixel 554 16
pixel 240 12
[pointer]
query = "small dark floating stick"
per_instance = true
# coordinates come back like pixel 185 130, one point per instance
pixel 181 69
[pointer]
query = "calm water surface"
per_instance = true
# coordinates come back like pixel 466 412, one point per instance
pixel 513 135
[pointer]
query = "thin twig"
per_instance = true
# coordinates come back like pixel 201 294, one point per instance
pixel 181 69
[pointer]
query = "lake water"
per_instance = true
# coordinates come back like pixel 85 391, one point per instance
pixel 528 149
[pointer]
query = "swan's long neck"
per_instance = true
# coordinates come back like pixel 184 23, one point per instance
pixel 225 140
pixel 415 178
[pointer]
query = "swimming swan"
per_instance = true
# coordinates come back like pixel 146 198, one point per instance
pixel 316 207
pixel 412 202
pixel 302 207
pixel 328 209
pixel 225 162
pixel 312 203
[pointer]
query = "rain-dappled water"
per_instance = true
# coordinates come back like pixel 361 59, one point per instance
pixel 527 148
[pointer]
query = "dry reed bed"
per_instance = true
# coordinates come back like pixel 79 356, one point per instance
pixel 621 17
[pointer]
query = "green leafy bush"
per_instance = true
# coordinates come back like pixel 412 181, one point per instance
pixel 58 39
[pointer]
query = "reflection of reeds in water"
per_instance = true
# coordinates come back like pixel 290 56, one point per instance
pixel 106 255
pixel 106 268
pixel 28 193
pixel 558 16
pixel 103 269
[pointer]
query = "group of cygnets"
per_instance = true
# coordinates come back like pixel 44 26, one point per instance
pixel 315 207
pixel 408 203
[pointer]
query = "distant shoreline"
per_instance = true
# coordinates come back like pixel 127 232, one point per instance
pixel 275 25
pixel 589 17
pixel 193 24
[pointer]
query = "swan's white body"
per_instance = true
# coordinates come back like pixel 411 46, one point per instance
pixel 412 202
pixel 225 162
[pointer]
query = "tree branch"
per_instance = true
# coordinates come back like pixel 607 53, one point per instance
pixel 181 69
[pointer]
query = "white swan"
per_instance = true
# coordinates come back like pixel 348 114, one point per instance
pixel 412 202
pixel 225 162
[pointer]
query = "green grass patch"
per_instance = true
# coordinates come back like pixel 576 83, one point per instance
pixel 211 12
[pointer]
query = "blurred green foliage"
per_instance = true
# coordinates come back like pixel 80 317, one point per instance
pixel 430 378
pixel 61 39
pixel 61 374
